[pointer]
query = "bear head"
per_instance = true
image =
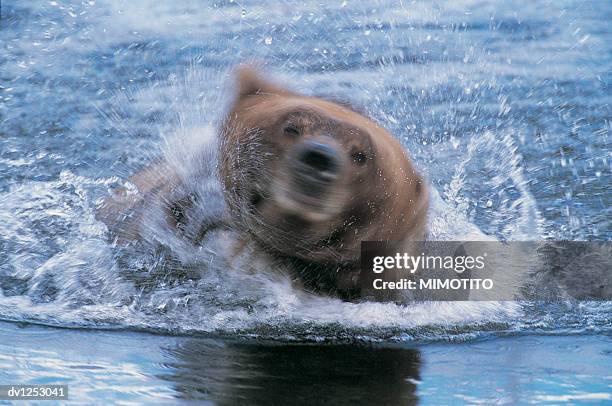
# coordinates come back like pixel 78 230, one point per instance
pixel 311 178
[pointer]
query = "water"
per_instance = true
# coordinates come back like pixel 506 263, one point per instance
pixel 505 108
pixel 148 369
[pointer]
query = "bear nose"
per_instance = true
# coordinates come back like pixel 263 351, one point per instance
pixel 319 156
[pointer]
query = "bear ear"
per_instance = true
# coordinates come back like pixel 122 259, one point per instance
pixel 250 83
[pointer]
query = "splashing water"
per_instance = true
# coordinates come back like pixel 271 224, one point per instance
pixel 420 73
pixel 86 282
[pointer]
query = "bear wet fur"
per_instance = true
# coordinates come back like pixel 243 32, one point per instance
pixel 304 181
pixel 375 193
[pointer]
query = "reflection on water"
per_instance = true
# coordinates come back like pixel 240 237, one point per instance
pixel 232 373
pixel 113 367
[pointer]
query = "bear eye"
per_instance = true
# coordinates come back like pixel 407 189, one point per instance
pixel 359 158
pixel 292 130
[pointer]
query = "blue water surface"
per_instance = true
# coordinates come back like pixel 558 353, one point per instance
pixel 504 106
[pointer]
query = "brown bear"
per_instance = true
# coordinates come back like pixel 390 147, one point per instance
pixel 309 179
pixel 306 180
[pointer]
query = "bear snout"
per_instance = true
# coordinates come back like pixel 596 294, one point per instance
pixel 315 164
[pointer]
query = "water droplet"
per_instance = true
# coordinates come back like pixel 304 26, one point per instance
pixel 243 13
pixel 454 142
pixel 268 40
pixel 489 203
